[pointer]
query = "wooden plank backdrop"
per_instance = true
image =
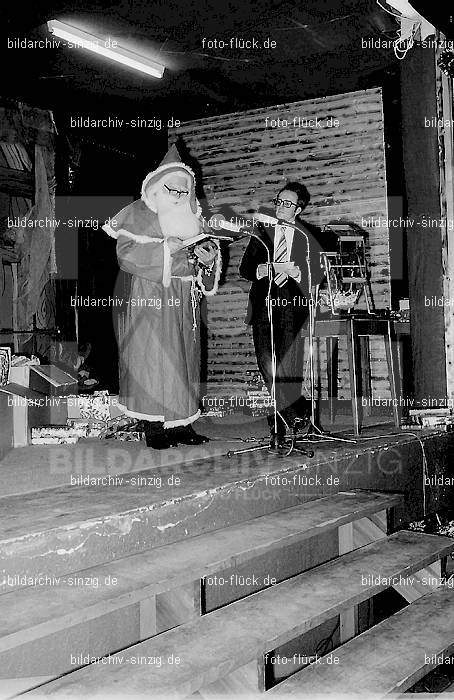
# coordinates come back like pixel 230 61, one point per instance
pixel 245 158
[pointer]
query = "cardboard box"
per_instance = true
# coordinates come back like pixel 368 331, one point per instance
pixel 6 426
pixel 56 411
pixel 52 381
pixel 20 375
pixel 20 410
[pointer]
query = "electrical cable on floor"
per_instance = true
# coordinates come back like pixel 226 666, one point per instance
pixel 331 438
pixel 227 438
pixel 424 459
pixel 325 437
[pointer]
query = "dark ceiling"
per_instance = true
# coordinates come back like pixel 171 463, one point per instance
pixel 322 47
pixel 318 51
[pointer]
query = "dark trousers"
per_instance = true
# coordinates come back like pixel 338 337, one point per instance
pixel 288 346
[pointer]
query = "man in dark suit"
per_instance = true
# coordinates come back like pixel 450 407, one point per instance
pixel 282 288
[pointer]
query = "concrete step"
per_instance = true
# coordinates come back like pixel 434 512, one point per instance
pixel 226 650
pixel 388 658
pixel 115 605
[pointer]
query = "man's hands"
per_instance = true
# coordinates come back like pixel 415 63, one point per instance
pixel 288 268
pixel 294 271
pixel 206 252
pixel 262 270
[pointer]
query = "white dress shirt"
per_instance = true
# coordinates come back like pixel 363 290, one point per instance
pixel 289 232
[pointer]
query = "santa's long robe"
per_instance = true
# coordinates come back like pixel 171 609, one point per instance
pixel 159 343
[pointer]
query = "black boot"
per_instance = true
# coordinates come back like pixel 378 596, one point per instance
pixel 302 410
pixel 187 436
pixel 156 437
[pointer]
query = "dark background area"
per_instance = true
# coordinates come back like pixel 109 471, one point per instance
pixel 319 51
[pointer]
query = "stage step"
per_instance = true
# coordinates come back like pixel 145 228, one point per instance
pixel 73 527
pixel 225 649
pixel 388 658
pixel 109 607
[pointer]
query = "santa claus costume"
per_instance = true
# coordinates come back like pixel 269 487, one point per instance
pixel 159 344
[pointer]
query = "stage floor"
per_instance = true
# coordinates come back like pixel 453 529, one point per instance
pixel 29 469
pixel 101 500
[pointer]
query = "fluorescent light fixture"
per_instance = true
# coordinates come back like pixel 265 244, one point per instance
pixel 105 47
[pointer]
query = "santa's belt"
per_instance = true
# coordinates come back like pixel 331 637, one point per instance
pixel 194 298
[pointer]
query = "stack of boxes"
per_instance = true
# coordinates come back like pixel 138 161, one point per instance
pixel 39 404
pixel 429 418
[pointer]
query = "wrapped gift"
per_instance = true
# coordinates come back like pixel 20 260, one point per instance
pixel 128 436
pixel 97 406
pixel 68 434
pixel 57 435
pixel 5 365
pixel 90 428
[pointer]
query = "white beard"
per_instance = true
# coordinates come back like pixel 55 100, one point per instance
pixel 179 221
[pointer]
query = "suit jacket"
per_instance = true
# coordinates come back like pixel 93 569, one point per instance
pixel 255 254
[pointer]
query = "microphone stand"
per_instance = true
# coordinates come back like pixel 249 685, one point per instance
pixel 312 429
pixel 269 306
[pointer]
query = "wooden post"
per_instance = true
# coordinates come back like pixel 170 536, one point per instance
pixel 425 238
pixel 445 143
pixel 15 303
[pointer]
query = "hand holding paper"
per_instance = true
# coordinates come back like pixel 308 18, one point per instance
pixel 287 268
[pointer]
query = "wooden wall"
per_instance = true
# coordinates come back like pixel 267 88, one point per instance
pixel 245 158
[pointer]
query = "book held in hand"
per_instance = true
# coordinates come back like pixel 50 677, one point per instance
pixel 201 238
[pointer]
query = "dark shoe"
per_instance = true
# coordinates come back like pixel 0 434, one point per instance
pixel 158 438
pixel 160 442
pixel 303 409
pixel 281 427
pixel 185 435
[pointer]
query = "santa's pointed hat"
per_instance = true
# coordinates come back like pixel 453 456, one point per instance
pixel 172 156
pixel 170 164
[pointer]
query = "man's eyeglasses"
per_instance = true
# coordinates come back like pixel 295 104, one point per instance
pixel 284 202
pixel 177 193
